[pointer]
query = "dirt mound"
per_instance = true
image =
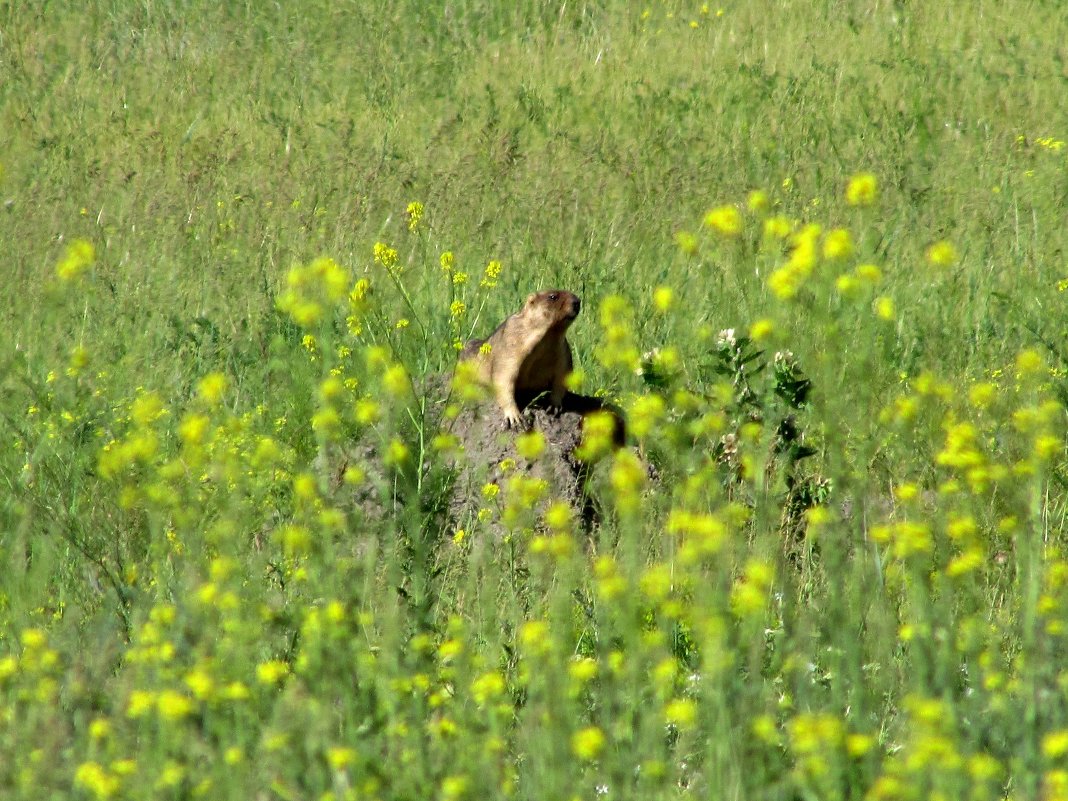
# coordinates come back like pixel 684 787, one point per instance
pixel 490 456
pixel 487 454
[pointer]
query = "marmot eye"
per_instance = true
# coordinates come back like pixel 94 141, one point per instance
pixel 553 296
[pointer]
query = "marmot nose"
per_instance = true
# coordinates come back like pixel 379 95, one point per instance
pixel 576 304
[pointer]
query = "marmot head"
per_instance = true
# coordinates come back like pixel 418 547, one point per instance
pixel 553 307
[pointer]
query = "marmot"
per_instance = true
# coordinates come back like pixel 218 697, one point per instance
pixel 528 354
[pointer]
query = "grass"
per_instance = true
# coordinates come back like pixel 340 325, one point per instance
pixel 190 193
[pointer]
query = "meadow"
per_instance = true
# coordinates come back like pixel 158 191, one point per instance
pixel 821 248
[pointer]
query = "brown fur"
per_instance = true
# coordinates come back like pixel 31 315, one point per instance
pixel 528 353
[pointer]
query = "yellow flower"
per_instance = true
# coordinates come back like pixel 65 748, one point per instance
pixel 367 411
pixel 655 582
pixel 704 533
pixel 663 296
pixel 966 562
pixel 906 538
pixel 487 687
pixel 558 516
pixel 761 329
pixel 598 430
pixel 271 672
pixel 330 389
pixel 330 277
pixel 78 258
pixel 884 308
pixel 308 287
pixel 687 242
pixel 725 220
pixel 862 189
pixel 746 599
pixel 335 612
pixel 628 476
pixel 1029 362
pixel 777 227
pixel 1055 744
pixel 304 486
pixel 147 408
pixel 99 729
pixel 681 711
pixel 812 733
pixel 785 282
pixel 305 313
pixel 453 787
pixel 847 285
pixel 749 594
pixel 450 649
pixel 804 254
pixel 583 670
pixel 942 254
pixel 123 767
pixel 236 691
pixel 857 745
pixel 79 360
pixel 961 528
pixel 171 775
pixel 984 767
pixel 493 272
pixel 415 214
pixel 193 428
pixel 173 705
pixel 1047 446
pixel 765 730
pixel 296 540
pixel 447 261
pixel 95 778
pixel 385 255
pixel 609 583
pixel 838 244
pixel 33 639
pixel 530 445
pixel 200 683
pixel 587 743
pixel 212 387
pixel 395 381
pixel 340 758
pixel 982 395
pixel 361 290
pixel 534 636
pixel 758 201
pixel 869 274
pixel 645 414
pixel 139 703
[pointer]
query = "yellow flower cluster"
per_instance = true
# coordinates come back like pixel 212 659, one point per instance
pixel 862 189
pixel 618 349
pixel 312 290
pixel 415 214
pixel 787 280
pixel 79 257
